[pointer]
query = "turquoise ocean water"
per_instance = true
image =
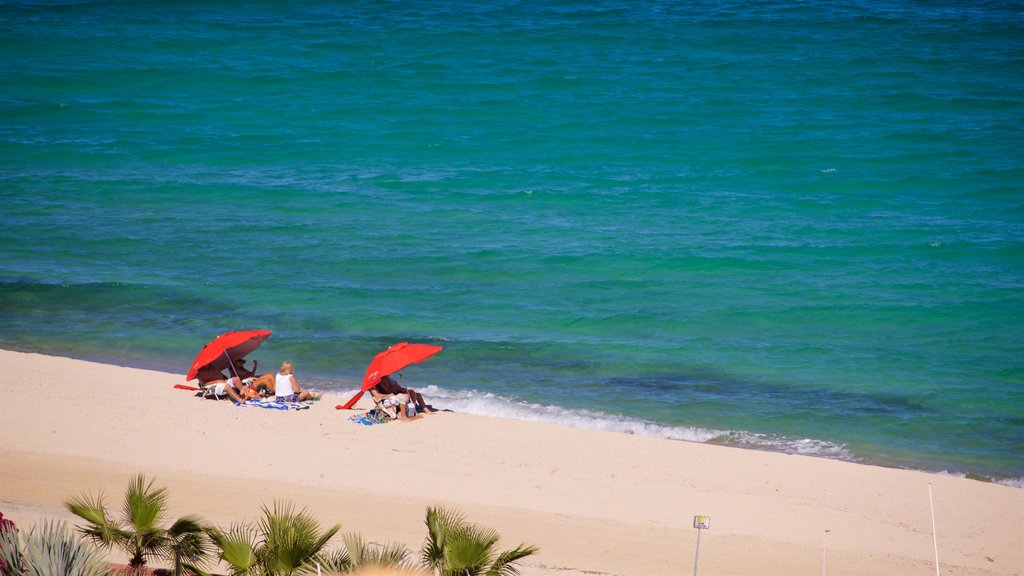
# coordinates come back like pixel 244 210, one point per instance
pixel 781 225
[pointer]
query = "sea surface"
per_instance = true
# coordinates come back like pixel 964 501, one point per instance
pixel 783 225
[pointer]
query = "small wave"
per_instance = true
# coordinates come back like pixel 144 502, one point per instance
pixel 1011 482
pixel 488 404
pixel 802 446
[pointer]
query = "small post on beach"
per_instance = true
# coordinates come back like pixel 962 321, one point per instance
pixel 935 539
pixel 700 523
pixel 823 535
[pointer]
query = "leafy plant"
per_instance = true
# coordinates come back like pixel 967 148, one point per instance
pixel 359 554
pixel 49 549
pixel 283 542
pixel 454 547
pixel 139 532
pixel 187 543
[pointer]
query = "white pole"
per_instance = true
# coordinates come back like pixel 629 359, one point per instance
pixel 823 552
pixel 231 366
pixel 696 556
pixel 935 539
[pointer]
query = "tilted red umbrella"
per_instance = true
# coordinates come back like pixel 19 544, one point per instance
pixel 390 361
pixel 224 349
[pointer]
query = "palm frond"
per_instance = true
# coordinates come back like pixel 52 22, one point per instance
pixel 144 507
pixel 455 547
pixel 194 570
pixel 464 554
pixel 363 554
pixel 237 546
pixel 186 541
pixel 292 539
pixel 143 510
pixel 188 524
pixel 338 561
pixel 440 524
pixel 102 530
pixel 504 565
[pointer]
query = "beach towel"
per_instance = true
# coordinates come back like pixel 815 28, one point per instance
pixel 275 405
pixel 368 419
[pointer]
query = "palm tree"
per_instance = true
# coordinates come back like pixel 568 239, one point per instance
pixel 456 548
pixel 138 532
pixel 186 540
pixel 284 542
pixel 52 550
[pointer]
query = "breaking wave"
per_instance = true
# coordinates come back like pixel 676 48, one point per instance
pixel 488 404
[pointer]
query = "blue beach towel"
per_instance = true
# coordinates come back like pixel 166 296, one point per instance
pixel 275 405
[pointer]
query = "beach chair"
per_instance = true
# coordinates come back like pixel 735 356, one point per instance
pixel 209 391
pixel 385 408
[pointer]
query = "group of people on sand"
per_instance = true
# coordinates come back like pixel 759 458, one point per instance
pixel 245 384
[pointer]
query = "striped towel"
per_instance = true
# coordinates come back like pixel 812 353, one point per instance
pixel 275 405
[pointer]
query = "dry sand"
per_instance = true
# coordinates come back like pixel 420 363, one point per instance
pixel 594 502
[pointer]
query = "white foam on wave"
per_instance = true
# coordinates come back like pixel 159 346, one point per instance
pixel 1012 482
pixel 488 404
pixel 802 446
pixel 1005 481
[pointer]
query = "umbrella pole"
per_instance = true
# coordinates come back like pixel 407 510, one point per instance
pixel 231 366
pixel 408 392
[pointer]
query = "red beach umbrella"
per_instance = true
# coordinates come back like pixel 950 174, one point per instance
pixel 226 348
pixel 390 361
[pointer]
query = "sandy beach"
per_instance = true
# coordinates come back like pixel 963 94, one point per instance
pixel 593 502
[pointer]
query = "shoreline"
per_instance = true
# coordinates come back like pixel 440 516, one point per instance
pixel 593 501
pixel 611 423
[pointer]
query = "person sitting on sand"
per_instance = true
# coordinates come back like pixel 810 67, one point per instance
pixel 387 386
pixel 264 384
pixel 231 386
pixel 287 388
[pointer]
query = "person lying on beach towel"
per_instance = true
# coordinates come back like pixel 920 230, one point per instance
pixel 287 388
pixel 207 376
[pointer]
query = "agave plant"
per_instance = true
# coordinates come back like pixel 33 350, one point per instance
pixel 139 532
pixel 284 542
pixel 456 548
pixel 49 550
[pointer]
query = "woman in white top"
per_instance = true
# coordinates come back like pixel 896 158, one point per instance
pixel 287 389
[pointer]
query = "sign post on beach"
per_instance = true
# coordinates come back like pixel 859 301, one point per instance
pixel 700 523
